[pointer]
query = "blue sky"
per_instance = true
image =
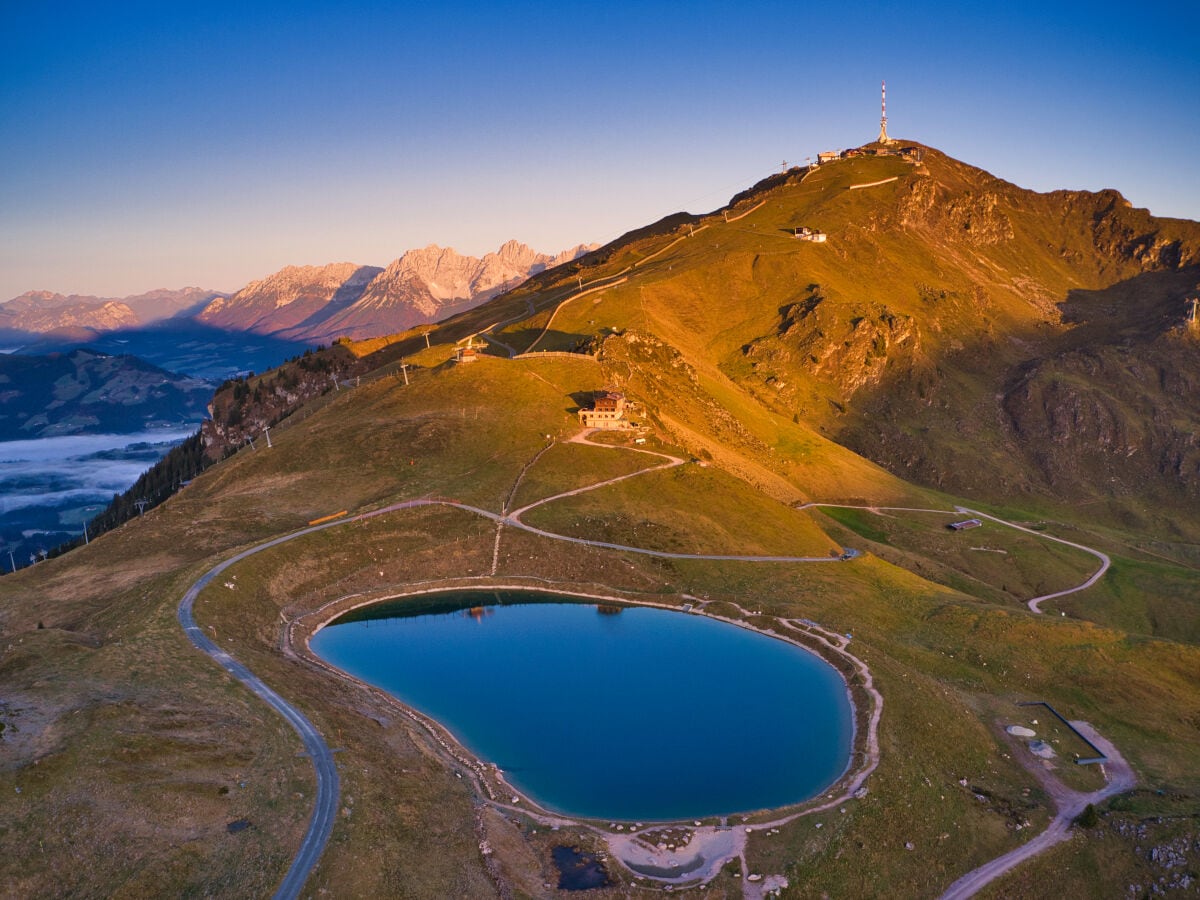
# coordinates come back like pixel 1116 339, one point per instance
pixel 148 145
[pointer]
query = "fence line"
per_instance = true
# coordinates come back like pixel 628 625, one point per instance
pixel 1100 756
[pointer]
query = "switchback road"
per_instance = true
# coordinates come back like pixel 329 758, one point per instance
pixel 321 824
pixel 1035 603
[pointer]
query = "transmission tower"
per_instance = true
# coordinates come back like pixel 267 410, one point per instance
pixel 883 135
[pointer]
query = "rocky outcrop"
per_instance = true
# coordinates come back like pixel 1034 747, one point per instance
pixel 1121 231
pixel 976 218
pixel 1123 419
pixel 243 407
pixel 844 354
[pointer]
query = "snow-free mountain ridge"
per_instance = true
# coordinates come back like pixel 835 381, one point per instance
pixel 43 312
pixel 307 304
pixel 321 303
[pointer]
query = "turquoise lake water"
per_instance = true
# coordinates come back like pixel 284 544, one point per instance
pixel 637 715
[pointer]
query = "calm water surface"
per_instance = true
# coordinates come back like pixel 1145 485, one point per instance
pixel 639 715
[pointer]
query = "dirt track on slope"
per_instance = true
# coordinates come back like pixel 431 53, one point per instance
pixel 1068 803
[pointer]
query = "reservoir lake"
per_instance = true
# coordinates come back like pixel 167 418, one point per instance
pixel 613 712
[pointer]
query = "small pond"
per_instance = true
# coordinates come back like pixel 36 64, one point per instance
pixel 622 713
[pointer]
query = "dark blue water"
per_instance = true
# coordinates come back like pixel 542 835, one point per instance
pixel 639 715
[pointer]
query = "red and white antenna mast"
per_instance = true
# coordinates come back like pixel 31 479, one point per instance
pixel 883 137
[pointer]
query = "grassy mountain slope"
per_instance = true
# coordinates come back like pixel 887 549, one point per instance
pixel 955 329
pixel 762 360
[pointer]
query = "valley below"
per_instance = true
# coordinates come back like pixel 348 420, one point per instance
pixel 50 487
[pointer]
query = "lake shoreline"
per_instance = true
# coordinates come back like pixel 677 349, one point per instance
pixel 710 839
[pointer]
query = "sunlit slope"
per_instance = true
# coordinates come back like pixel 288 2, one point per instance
pixel 701 408
pixel 957 330
pixel 131 729
pixel 687 509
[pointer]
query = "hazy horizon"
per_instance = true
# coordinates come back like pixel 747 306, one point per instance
pixel 151 147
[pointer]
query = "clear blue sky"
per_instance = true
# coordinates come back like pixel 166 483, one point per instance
pixel 148 145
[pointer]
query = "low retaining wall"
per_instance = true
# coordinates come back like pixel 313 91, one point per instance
pixel 1100 756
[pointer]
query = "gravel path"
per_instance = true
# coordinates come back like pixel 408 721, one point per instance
pixel 1034 604
pixel 1068 803
pixel 321 823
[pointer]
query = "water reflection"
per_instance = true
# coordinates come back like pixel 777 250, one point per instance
pixel 598 709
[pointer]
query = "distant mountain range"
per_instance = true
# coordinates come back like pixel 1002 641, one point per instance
pixel 83 316
pixel 321 303
pixel 300 305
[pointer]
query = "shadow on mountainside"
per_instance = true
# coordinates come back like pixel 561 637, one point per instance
pixel 181 345
pixel 1142 307
pixel 552 341
pixel 345 296
pixel 1101 411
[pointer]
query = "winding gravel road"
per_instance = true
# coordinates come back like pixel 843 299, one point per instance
pixel 321 824
pixel 1068 805
pixel 1036 603
pixel 318 751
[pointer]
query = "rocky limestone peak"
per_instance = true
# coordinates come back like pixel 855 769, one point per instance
pixel 42 300
pixel 451 276
pixel 433 261
pixel 33 298
pixel 39 311
pixel 290 284
pixel 519 255
pixel 291 280
pixel 319 303
pixel 574 253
